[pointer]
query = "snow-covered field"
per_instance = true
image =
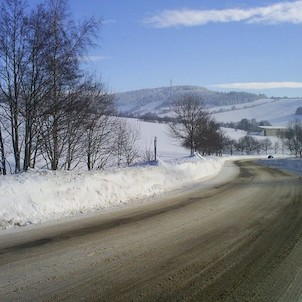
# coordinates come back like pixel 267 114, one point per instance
pixel 167 147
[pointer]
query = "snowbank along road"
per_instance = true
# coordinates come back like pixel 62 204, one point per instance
pixel 235 241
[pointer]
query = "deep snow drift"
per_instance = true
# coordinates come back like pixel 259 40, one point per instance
pixel 43 195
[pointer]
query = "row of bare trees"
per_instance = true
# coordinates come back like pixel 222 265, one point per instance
pixel 249 145
pixel 50 109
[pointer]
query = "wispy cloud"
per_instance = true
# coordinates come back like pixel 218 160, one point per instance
pixel 105 22
pixel 282 12
pixel 94 58
pixel 258 85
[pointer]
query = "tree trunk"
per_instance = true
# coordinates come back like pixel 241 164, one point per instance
pixel 3 163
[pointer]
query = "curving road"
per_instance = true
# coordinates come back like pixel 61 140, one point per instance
pixel 234 241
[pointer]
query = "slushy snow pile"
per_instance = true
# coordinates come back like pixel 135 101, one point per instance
pixel 40 195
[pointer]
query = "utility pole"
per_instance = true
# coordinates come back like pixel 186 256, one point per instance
pixel 155 147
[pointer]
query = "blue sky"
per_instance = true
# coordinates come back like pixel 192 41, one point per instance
pixel 222 45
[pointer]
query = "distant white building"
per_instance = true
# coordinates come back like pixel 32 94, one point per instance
pixel 273 130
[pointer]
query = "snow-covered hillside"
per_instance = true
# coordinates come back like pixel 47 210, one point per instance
pixel 277 111
pixel 236 106
pixel 157 100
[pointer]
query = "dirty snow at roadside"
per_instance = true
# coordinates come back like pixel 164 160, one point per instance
pixel 41 195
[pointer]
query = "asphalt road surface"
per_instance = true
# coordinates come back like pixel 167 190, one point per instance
pixel 239 240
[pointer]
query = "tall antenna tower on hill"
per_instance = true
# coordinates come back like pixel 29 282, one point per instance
pixel 170 90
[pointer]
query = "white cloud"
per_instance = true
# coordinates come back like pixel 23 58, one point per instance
pixel 282 12
pixel 258 85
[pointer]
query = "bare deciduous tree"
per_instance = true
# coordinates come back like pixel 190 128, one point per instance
pixel 293 138
pixel 209 138
pixel 125 146
pixel 194 126
pixel 35 83
pixel 99 125
pixel 229 144
pixel 148 155
pixel 276 147
pixel 131 150
pixel 248 144
pixel 190 116
pixel 266 145
pixel 50 109
pixel 12 57
pixel 2 155
pixel 99 142
pixel 39 64
pixel 66 44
